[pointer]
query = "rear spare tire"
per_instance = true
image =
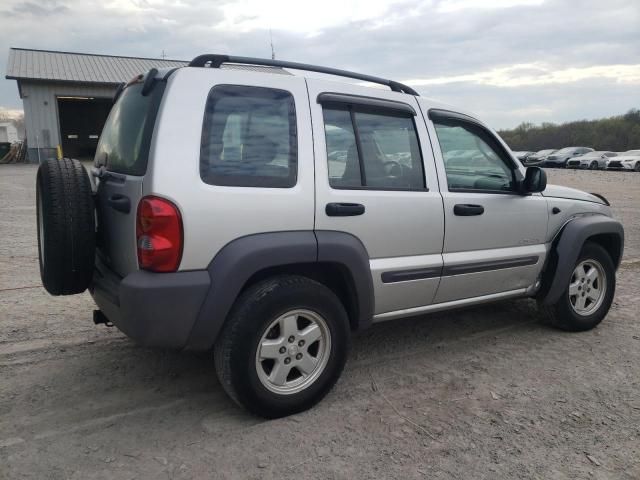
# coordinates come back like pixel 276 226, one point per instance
pixel 66 226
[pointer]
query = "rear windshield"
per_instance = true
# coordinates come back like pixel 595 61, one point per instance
pixel 124 142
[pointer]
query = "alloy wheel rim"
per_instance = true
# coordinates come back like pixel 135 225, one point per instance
pixel 293 351
pixel 587 288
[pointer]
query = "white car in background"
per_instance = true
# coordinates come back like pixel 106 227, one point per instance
pixel 629 160
pixel 593 160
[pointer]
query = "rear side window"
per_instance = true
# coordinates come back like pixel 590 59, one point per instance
pixel 249 138
pixel 372 150
pixel 124 143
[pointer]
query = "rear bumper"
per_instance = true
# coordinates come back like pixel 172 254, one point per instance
pixel 154 309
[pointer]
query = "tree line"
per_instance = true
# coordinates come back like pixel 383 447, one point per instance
pixel 617 134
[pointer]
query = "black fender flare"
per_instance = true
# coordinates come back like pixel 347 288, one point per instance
pixel 566 249
pixel 242 258
pixel 348 251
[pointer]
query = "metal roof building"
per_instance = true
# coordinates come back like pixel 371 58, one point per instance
pixel 67 96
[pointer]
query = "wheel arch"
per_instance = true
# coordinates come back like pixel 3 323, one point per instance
pixel 600 229
pixel 336 259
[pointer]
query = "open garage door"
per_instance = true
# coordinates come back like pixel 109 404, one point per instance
pixel 81 121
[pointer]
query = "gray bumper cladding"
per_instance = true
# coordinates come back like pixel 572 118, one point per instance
pixel 154 309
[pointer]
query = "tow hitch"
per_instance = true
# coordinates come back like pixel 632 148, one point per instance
pixel 99 317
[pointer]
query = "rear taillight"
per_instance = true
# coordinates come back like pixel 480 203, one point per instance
pixel 159 235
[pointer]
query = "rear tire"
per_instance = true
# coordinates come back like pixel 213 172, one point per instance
pixel 581 307
pixel 593 166
pixel 637 167
pixel 66 226
pixel 256 343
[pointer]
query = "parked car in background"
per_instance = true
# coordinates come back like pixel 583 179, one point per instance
pixel 536 159
pixel 543 154
pixel 629 160
pixel 559 159
pixel 593 160
pixel 527 158
pixel 521 155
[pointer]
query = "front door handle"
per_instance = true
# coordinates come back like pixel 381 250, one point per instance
pixel 467 210
pixel 120 203
pixel 344 209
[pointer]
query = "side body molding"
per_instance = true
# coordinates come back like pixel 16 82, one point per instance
pixel 240 259
pixel 567 246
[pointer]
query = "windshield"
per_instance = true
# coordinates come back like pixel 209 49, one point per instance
pixel 124 143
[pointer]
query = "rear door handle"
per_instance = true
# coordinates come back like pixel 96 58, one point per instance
pixel 120 203
pixel 344 209
pixel 467 210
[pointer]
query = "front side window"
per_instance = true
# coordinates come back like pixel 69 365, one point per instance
pixel 472 160
pixel 374 150
pixel 249 138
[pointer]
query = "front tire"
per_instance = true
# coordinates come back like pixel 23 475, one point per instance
pixel 593 166
pixel 283 346
pixel 589 294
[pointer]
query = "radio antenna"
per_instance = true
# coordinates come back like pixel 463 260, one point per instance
pixel 273 51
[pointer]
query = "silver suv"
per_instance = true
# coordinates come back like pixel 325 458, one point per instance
pixel 268 216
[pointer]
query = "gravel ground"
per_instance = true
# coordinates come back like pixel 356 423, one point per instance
pixel 482 393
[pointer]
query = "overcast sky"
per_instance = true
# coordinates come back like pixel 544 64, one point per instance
pixel 507 60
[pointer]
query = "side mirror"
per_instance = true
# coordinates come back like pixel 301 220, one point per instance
pixel 535 180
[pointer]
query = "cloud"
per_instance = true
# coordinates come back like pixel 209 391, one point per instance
pixel 516 60
pixel 42 9
pixel 457 5
pixel 306 18
pixel 538 74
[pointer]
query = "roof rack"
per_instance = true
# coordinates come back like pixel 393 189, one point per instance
pixel 214 61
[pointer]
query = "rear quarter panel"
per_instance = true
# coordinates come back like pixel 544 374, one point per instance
pixel 214 215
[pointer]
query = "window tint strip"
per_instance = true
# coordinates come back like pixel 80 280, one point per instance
pixel 370 103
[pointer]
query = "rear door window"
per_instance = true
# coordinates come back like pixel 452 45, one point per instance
pixel 124 143
pixel 372 150
pixel 249 138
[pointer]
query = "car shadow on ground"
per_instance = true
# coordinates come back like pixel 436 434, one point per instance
pixel 186 374
pixel 118 382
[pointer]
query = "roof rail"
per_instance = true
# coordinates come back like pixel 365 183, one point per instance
pixel 214 61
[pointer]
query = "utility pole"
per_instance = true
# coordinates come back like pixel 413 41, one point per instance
pixel 273 51
pixel 163 55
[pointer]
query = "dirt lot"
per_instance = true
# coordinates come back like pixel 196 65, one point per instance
pixel 484 393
